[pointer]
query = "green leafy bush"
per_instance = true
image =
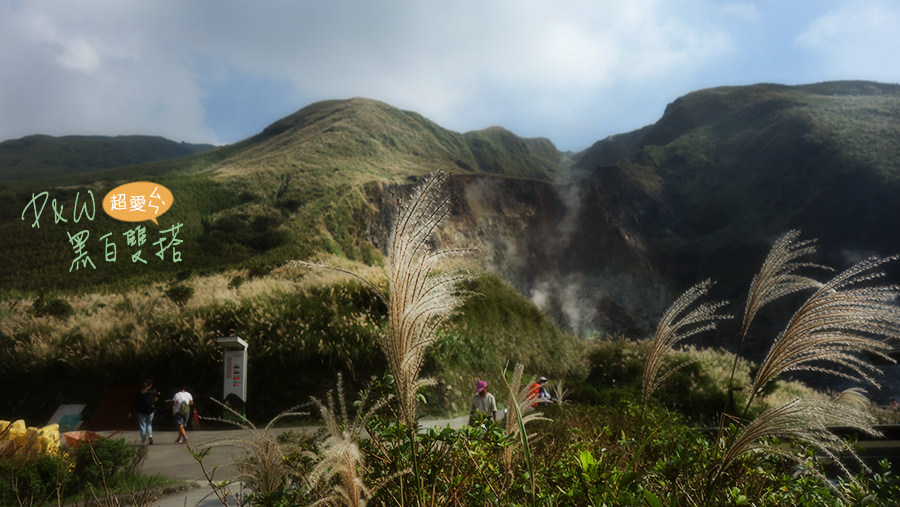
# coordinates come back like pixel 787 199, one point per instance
pixel 104 461
pixel 102 467
pixel 36 480
pixel 622 454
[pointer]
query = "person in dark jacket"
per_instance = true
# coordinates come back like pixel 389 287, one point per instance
pixel 144 405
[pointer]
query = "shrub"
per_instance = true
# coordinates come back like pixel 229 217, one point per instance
pixel 51 306
pixel 33 481
pixel 180 294
pixel 236 282
pixel 104 461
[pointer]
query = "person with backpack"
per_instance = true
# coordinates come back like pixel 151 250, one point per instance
pixel 182 405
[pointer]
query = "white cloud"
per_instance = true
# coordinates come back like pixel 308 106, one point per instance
pixel 743 11
pixel 80 55
pixel 118 66
pixel 82 70
pixel 859 40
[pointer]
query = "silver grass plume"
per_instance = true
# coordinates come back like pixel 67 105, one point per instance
pixel 855 397
pixel 519 395
pixel 683 319
pixel 561 393
pixel 264 470
pixel 806 421
pixel 421 296
pixel 778 276
pixel 846 319
pixel 340 454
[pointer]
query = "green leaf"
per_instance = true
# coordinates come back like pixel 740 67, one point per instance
pixel 652 499
pixel 586 459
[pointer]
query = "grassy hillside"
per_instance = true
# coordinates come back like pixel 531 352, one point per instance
pixel 40 156
pixel 301 186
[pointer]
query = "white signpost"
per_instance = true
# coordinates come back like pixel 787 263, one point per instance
pixel 235 375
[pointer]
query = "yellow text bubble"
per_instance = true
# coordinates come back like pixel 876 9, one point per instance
pixel 138 201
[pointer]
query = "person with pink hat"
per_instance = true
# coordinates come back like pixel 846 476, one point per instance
pixel 483 402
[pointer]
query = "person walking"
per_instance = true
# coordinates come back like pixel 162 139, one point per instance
pixel 182 405
pixel 483 402
pixel 544 395
pixel 144 407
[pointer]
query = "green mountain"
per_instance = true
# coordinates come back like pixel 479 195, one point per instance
pixel 40 156
pixel 739 165
pixel 306 184
pixel 322 182
pixel 366 138
pixel 602 241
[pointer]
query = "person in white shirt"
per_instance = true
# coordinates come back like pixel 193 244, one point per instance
pixel 483 402
pixel 182 404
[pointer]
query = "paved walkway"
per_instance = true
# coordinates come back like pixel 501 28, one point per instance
pixel 175 461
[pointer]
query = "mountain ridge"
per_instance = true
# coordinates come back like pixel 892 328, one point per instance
pixel 367 136
pixel 42 156
pixel 603 239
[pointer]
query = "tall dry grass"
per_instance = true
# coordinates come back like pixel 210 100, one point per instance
pixel 421 296
pixel 520 402
pixel 807 421
pixel 842 326
pixel 264 469
pixel 424 291
pixel 683 319
pixel 848 321
pixel 340 454
pixel 839 329
pixel 779 276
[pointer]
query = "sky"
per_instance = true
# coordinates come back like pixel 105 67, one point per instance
pixel 218 71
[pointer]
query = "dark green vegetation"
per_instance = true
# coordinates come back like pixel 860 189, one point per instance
pixel 98 471
pixel 618 454
pixel 312 182
pixel 700 193
pixel 40 157
pixel 605 237
pixel 645 453
pixel 736 166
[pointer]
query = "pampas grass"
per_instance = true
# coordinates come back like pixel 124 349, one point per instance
pixel 806 421
pixel 778 276
pixel 561 393
pixel 845 323
pixel 264 469
pixel 684 318
pixel 421 298
pixel 835 331
pixel 421 295
pixel 340 454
